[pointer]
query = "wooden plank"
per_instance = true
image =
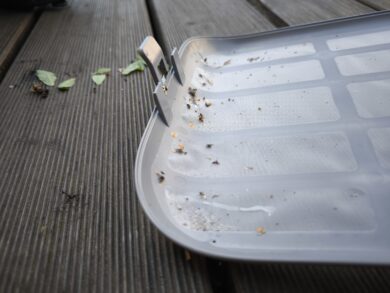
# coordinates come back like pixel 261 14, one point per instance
pixel 14 26
pixel 206 18
pixel 70 219
pixel 309 278
pixel 377 4
pixel 304 11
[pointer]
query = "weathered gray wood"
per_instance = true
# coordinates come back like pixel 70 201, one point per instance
pixel 178 20
pixel 13 29
pixel 378 4
pixel 70 220
pixel 305 11
pixel 309 278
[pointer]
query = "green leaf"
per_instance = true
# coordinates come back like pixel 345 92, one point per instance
pixel 102 70
pixel 67 84
pixel 47 77
pixel 137 65
pixel 98 78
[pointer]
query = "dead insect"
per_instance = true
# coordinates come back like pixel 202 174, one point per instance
pixel 259 108
pixel 215 162
pixel 204 84
pixel 201 194
pixel 40 89
pixel 201 117
pixel 200 75
pixel 180 149
pixel 188 106
pixel 192 91
pixel 160 177
pixel 209 145
pixel 205 60
pixel 207 103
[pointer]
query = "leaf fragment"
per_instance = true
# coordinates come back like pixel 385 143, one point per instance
pixel 102 70
pixel 67 84
pixel 98 78
pixel 47 77
pixel 137 65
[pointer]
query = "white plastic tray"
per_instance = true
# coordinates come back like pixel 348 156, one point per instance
pixel 292 159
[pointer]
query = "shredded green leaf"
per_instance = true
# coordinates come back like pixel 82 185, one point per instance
pixel 47 77
pixel 98 78
pixel 67 84
pixel 102 70
pixel 137 65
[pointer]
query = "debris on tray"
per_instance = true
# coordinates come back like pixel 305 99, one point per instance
pixel 216 162
pixel 40 89
pixel 253 59
pixel 249 168
pixel 202 195
pixel 205 79
pixel 227 62
pixel 164 88
pixel 192 92
pixel 207 103
pixel 180 149
pixel 173 134
pixel 160 176
pixel 209 146
pixel 260 230
pixel 201 117
pixel 259 108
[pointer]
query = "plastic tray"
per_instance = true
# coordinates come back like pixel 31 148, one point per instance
pixel 290 159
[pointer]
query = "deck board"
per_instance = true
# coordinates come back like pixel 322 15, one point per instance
pixel 378 4
pixel 14 26
pixel 305 11
pixel 70 219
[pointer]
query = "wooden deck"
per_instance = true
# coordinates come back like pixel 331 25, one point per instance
pixel 70 220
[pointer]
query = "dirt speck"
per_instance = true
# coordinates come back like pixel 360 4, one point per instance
pixel 192 92
pixel 160 177
pixel 209 146
pixel 260 230
pixel 216 162
pixel 201 118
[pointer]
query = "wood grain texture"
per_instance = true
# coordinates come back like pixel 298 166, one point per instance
pixel 14 27
pixel 70 220
pixel 177 20
pixel 378 4
pixel 309 278
pixel 304 11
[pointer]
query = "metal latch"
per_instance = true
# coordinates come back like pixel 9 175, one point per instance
pixel 151 52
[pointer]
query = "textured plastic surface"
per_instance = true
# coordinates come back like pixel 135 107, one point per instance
pixel 290 157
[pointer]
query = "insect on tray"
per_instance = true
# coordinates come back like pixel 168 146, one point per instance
pixel 274 146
